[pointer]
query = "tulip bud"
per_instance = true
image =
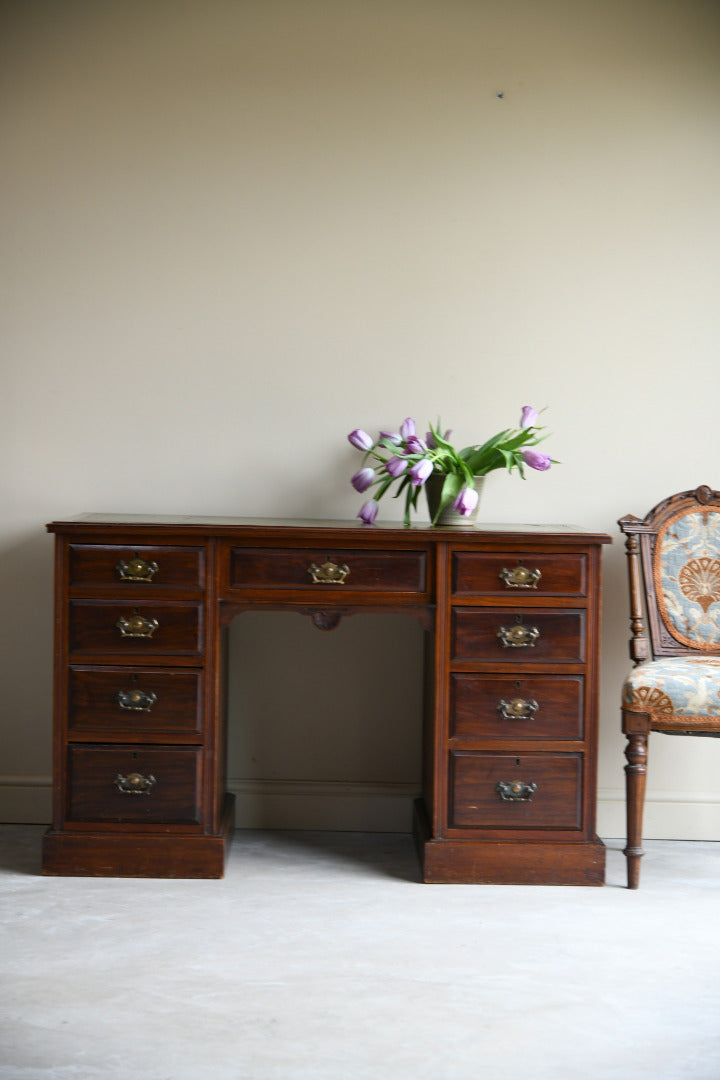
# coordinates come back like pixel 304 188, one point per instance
pixel 420 471
pixel 362 480
pixel 391 437
pixel 395 466
pixel 529 417
pixel 407 428
pixel 360 439
pixel 415 445
pixel 466 501
pixel 536 460
pixel 368 511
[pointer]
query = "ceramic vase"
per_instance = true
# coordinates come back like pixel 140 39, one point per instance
pixel 433 490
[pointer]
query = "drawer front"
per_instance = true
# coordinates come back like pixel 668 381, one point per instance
pixel 508 636
pixel 115 700
pixel 140 566
pixel 501 707
pixel 321 569
pixel 502 791
pixel 134 784
pixel 495 574
pixel 150 628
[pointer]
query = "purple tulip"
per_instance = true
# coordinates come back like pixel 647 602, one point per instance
pixel 360 439
pixel 420 471
pixel 407 428
pixel 466 501
pixel 529 417
pixel 395 466
pixel 391 437
pixel 362 480
pixel 368 511
pixel 415 445
pixel 536 460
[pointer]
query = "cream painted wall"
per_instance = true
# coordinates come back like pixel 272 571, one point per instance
pixel 233 231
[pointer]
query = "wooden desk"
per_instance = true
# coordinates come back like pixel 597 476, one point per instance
pixel 511 616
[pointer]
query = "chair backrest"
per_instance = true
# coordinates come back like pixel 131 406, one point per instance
pixel 674 565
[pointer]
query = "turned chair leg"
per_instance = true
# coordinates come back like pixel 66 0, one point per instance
pixel 635 774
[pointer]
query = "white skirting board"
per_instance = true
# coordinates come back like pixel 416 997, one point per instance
pixel 381 807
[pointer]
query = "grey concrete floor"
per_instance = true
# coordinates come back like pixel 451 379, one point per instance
pixel 320 956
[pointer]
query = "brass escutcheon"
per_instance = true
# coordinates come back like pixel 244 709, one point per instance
pixel 520 577
pixel 136 700
pixel 515 790
pixel 137 626
pixel 136 570
pixel 518 636
pixel 517 708
pixel 135 783
pixel 328 573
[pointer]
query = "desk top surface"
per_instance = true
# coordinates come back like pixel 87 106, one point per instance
pixel 218 526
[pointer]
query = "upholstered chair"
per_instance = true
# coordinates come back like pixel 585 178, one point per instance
pixel 674 573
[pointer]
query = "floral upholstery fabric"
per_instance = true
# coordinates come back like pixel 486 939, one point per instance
pixel 687 577
pixel 678 686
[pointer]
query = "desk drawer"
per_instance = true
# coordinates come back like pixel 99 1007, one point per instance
pixel 502 707
pixel 321 569
pixel 119 701
pixel 134 784
pixel 543 574
pixel 151 628
pixel 502 791
pixel 509 636
pixel 141 565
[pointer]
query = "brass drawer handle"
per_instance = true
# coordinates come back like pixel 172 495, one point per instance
pixel 135 783
pixel 136 570
pixel 328 573
pixel 137 626
pixel 517 708
pixel 136 700
pixel 518 636
pixel 515 790
pixel 520 577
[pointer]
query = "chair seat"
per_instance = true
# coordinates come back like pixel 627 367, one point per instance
pixel 678 692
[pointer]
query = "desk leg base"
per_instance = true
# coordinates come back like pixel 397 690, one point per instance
pixel 507 862
pixel 165 855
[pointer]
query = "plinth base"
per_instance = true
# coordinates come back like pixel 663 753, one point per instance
pixel 507 862
pixel 153 855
